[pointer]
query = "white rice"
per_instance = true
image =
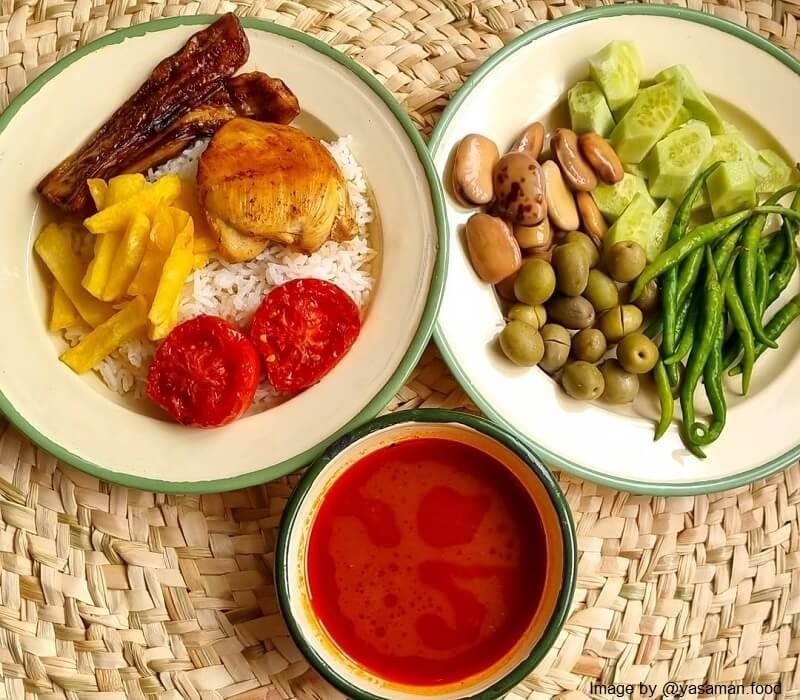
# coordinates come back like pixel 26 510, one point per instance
pixel 235 290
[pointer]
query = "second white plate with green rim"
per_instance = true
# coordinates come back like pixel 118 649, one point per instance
pixel 752 82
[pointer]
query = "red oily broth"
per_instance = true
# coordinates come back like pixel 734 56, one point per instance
pixel 426 561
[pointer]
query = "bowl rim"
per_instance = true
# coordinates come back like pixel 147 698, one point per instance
pixel 497 433
pixel 620 483
pixel 418 343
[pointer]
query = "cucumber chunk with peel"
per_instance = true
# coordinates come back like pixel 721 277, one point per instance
pixel 635 169
pixel 659 228
pixel 612 200
pixel 588 109
pixel 731 188
pixel 772 171
pixel 730 147
pixel 646 122
pixel 694 99
pixel 634 224
pixel 617 69
pixel 681 118
pixel 675 161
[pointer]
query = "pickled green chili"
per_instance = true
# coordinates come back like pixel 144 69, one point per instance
pixel 665 399
pixel 712 382
pixel 686 340
pixel 707 324
pixel 699 237
pixel 670 295
pixel 748 264
pixel 743 342
pixel 775 328
pixel 788 264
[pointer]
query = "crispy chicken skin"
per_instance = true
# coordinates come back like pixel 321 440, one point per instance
pixel 179 83
pixel 264 182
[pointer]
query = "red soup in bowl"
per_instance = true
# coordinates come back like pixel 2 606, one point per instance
pixel 425 558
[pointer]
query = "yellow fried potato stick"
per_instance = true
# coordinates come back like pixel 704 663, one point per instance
pixel 120 188
pixel 159 243
pixel 116 217
pixel 164 312
pixel 54 247
pixel 205 240
pixel 199 261
pixel 123 187
pixel 127 258
pixel 99 191
pixel 128 323
pixel 63 313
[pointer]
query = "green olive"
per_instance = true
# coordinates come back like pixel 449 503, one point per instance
pixel 574 313
pixel 526 314
pixel 556 347
pixel 625 261
pixel 536 282
pixel 649 298
pixel 582 381
pixel 522 344
pixel 588 245
pixel 589 345
pixel 620 386
pixel 541 313
pixel 572 268
pixel 619 321
pixel 601 291
pixel 637 353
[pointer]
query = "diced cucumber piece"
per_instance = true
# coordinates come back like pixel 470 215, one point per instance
pixel 772 171
pixel 646 122
pixel 681 118
pixel 635 169
pixel 634 224
pixel 694 99
pixel 659 228
pixel 613 199
pixel 701 202
pixel 731 188
pixel 617 69
pixel 677 159
pixel 588 109
pixel 730 147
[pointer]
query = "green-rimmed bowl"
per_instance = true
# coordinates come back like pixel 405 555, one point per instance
pixel 83 423
pixel 754 85
pixel 298 518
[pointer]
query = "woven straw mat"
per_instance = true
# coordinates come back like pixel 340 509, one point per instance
pixel 107 592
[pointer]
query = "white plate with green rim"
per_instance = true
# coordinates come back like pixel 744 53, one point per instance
pixel 82 422
pixel 752 83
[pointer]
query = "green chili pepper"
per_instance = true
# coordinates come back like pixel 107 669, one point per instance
pixel 785 269
pixel 774 251
pixel 665 399
pixel 708 323
pixel 686 340
pixel 712 381
pixel 743 341
pixel 751 241
pixel 762 282
pixel 697 238
pixel 670 296
pixel 777 325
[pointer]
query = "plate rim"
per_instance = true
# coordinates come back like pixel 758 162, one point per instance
pixel 619 483
pixel 418 342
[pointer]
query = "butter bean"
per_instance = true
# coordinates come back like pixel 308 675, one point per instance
pixel 519 189
pixel 473 166
pixel 493 250
pixel 601 157
pixel 561 206
pixel 531 140
pixel 576 170
pixel 534 236
pixel 593 222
